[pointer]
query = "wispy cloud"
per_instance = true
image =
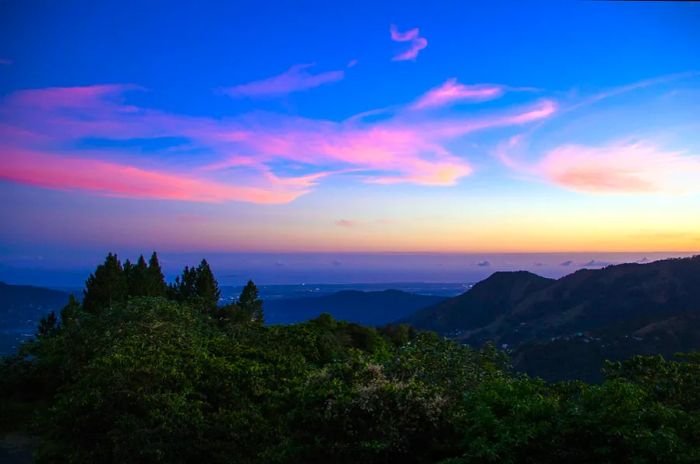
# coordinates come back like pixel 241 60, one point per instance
pixel 257 157
pixel 5 61
pixel 295 79
pixel 123 180
pixel 416 43
pixel 626 167
pixel 451 92
pixel 621 165
pixel 346 223
pixel 596 263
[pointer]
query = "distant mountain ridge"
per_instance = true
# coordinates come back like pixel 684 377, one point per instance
pixel 483 303
pixel 21 309
pixel 23 306
pixel 603 309
pixel 369 308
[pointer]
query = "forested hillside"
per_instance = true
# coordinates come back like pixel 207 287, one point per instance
pixel 566 328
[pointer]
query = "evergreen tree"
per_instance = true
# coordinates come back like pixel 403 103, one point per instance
pixel 139 284
pixel 184 287
pixel 155 280
pixel 206 286
pixel 70 312
pixel 128 274
pixel 48 325
pixel 250 303
pixel 106 287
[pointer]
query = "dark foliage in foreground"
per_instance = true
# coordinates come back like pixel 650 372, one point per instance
pixel 174 379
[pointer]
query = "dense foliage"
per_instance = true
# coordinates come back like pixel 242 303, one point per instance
pixel 142 372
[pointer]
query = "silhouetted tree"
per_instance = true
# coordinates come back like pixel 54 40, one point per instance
pixel 206 286
pixel 128 270
pixel 138 283
pixel 106 287
pixel 197 286
pixel 184 287
pixel 69 313
pixel 155 280
pixel 48 325
pixel 250 304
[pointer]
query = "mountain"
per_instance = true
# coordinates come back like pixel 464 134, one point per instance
pixel 581 355
pixel 564 328
pixel 369 308
pixel 21 308
pixel 482 304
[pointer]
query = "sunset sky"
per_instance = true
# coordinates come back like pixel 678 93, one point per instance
pixel 308 132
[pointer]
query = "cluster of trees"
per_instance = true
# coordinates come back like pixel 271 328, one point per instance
pixel 113 284
pixel 173 378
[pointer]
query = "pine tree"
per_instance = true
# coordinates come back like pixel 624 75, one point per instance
pixel 250 303
pixel 197 286
pixel 184 287
pixel 207 288
pixel 138 285
pixel 155 280
pixel 48 325
pixel 70 312
pixel 106 287
pixel 128 270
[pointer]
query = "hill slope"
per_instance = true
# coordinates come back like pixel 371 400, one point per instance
pixel 21 308
pixel 370 308
pixel 482 304
pixel 567 326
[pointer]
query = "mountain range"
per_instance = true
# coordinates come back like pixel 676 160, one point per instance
pixel 368 308
pixel 23 306
pixel 564 328
pixel 553 328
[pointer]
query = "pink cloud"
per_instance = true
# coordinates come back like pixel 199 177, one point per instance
pixel 93 96
pixel 42 131
pixel 295 79
pixel 5 61
pixel 621 167
pixel 346 223
pixel 417 43
pixel 452 92
pixel 120 180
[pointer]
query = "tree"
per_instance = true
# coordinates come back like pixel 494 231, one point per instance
pixel 197 286
pixel 155 280
pixel 184 287
pixel 70 311
pixel 138 284
pixel 48 325
pixel 206 286
pixel 106 287
pixel 250 303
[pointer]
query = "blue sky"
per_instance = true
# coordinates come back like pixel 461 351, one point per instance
pixel 309 127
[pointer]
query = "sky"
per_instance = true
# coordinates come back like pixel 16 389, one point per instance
pixel 347 141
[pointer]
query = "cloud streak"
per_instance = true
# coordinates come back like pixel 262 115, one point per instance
pixel 416 43
pixel 122 180
pixel 256 157
pixel 621 167
pixel 451 92
pixel 622 164
pixel 346 223
pixel 295 79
